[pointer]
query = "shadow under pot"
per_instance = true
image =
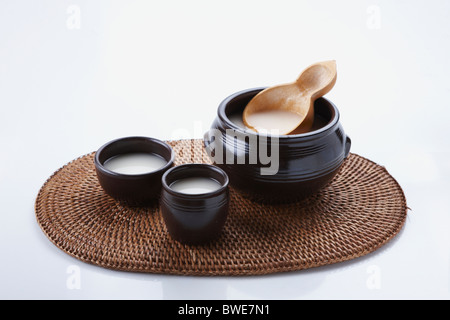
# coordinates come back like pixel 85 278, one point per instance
pixel 194 202
pixel 276 168
pixel 130 169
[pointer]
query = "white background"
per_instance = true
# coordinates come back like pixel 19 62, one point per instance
pixel 76 74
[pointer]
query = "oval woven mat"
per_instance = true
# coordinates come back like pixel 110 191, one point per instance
pixel 359 211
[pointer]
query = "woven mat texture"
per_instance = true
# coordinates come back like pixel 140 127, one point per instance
pixel 358 212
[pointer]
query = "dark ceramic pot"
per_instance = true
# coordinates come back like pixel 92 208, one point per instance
pixel 306 162
pixel 194 218
pixel 135 189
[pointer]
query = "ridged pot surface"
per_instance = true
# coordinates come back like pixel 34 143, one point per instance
pixel 277 168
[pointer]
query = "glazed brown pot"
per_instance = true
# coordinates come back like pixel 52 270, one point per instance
pixel 306 162
pixel 135 189
pixel 194 218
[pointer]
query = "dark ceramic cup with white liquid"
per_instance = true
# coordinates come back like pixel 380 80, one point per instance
pixel 194 215
pixel 272 168
pixel 133 189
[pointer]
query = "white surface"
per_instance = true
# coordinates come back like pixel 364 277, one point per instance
pixel 160 69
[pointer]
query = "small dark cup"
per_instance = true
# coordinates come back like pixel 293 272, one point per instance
pixel 133 189
pixel 194 218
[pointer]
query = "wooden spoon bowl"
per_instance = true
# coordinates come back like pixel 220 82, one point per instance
pixel 291 104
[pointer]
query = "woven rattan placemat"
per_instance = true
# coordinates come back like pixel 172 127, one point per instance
pixel 358 212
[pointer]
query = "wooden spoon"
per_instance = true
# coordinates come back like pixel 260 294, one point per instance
pixel 295 99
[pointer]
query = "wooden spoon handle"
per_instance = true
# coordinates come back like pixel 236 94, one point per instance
pixel 318 79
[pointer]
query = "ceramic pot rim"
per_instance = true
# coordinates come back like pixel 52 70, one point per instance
pixel 196 167
pixel 223 117
pixel 99 165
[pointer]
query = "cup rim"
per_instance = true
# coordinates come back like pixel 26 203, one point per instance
pixel 199 166
pixel 222 116
pixel 105 170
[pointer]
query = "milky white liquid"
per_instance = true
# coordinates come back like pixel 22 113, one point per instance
pixel 135 163
pixel 195 185
pixel 274 120
pixel 236 118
